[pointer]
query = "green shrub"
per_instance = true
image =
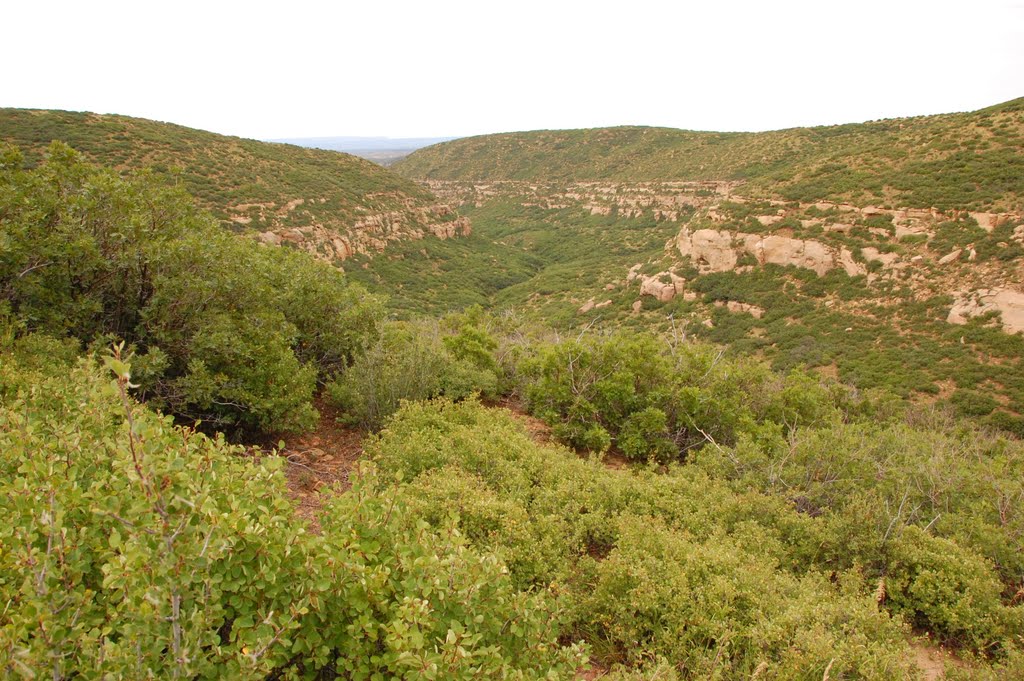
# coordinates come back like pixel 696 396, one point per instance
pixel 415 361
pixel 973 403
pixel 244 370
pixel 645 434
pixel 226 331
pixel 676 567
pixel 658 400
pixel 136 549
pixel 716 611
pixel 949 590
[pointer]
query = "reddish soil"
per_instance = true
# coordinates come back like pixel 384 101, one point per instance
pixel 591 672
pixel 930 660
pixel 540 432
pixel 320 459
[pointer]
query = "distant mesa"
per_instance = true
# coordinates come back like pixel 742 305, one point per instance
pixel 382 150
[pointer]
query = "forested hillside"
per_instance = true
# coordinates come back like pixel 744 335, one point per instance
pixel 967 160
pixel 330 204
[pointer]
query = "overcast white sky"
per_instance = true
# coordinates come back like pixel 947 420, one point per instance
pixel 434 68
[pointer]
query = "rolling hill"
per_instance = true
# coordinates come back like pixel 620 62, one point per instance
pixel 328 203
pixel 888 254
pixel 627 501
pixel 961 160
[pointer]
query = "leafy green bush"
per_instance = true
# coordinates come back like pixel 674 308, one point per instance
pixel 880 488
pixel 247 364
pixel 675 567
pixel 643 436
pixel 950 590
pixel 715 610
pixel 652 399
pixel 134 549
pixel 415 361
pixel 226 331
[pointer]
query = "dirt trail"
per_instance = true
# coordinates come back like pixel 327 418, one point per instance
pixel 934 660
pixel 321 458
pixel 540 432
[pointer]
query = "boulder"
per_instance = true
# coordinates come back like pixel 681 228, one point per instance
pixel 950 257
pixel 657 287
pixel 737 307
pixel 272 238
pixel 781 250
pixel 872 254
pixel 768 220
pixel 987 221
pixel 849 265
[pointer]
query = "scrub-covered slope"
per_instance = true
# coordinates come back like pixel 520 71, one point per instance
pixel 328 203
pixel 963 160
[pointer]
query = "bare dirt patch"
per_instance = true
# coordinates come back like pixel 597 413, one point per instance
pixel 934 660
pixel 323 458
pixel 591 672
pixel 540 432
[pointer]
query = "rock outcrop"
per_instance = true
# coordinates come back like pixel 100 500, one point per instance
pixel 369 233
pixel 736 306
pixel 664 285
pixel 1007 302
pixel 714 250
pixel 663 201
pixel 872 254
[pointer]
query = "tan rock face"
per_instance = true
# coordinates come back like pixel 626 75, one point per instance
pixel 367 234
pixel 719 251
pixel 851 266
pixel 708 248
pixel 664 286
pixel 910 230
pixel 736 306
pixel 460 226
pixel 872 254
pixel 768 220
pixel 1007 302
pixel 780 250
pixel 989 221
